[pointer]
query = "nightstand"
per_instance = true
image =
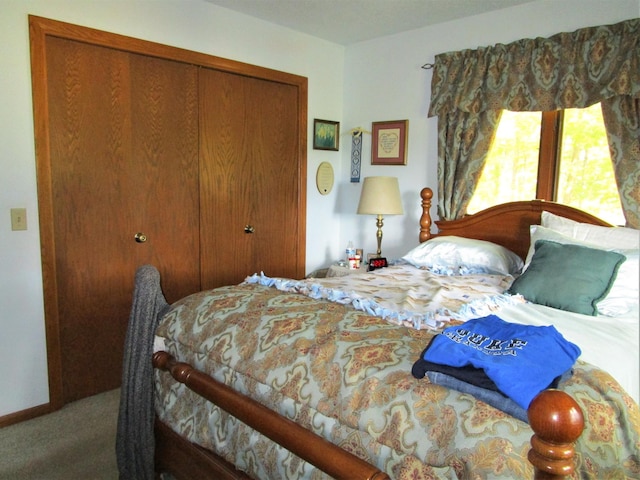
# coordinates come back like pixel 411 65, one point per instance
pixel 337 270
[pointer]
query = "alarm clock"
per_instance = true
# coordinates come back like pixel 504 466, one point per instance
pixel 375 263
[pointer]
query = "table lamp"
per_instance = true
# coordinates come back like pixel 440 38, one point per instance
pixel 380 196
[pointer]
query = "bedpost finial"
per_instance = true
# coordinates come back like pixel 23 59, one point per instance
pixel 426 193
pixel 557 422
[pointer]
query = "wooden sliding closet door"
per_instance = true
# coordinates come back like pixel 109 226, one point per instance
pixel 252 197
pixel 123 160
pixel 185 149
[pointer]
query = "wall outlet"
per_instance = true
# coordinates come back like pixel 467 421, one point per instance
pixel 18 219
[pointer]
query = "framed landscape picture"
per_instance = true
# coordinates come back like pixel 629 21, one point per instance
pixel 326 134
pixel 389 142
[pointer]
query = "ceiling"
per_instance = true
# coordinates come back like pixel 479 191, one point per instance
pixel 350 21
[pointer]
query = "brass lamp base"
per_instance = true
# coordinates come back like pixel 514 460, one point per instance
pixel 379 224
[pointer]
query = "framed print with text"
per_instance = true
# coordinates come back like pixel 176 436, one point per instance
pixel 389 142
pixel 326 134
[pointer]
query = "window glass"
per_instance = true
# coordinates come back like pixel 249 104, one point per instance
pixel 586 179
pixel 511 170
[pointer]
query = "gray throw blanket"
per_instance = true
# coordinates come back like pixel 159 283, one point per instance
pixel 134 440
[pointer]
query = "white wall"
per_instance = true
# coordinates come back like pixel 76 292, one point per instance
pixel 370 81
pixel 194 25
pixel 384 81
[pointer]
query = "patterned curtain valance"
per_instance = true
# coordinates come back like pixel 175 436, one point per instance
pixel 567 70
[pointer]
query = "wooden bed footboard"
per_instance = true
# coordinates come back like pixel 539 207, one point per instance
pixel 554 416
pixel 310 447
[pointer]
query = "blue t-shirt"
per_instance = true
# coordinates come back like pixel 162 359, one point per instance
pixel 522 360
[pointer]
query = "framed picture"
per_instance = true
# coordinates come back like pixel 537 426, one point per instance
pixel 389 142
pixel 326 135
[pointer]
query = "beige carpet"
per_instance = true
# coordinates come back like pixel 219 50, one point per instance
pixel 76 442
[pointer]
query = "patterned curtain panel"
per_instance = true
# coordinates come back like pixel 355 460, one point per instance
pixel 621 116
pixel 567 70
pixel 463 140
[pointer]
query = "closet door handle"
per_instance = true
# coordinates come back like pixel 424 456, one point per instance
pixel 140 237
pixel 249 229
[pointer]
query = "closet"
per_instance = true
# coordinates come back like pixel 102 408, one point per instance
pixel 150 154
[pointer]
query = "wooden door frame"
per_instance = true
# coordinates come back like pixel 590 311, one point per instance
pixel 39 29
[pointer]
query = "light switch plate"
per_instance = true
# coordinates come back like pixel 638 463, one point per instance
pixel 18 219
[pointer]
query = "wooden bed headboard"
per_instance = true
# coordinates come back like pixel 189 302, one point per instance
pixel 506 224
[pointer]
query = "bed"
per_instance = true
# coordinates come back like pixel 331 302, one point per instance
pixel 284 378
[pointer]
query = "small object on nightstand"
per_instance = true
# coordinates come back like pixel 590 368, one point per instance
pixel 353 257
pixel 354 262
pixel 350 250
pixel 379 262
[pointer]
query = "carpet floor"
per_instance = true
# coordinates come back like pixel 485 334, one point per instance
pixel 76 442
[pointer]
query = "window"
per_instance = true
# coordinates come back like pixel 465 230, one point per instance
pixel 561 156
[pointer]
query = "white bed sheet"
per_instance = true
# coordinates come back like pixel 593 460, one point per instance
pixel 610 343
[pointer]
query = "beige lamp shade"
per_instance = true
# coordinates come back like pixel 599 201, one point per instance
pixel 380 196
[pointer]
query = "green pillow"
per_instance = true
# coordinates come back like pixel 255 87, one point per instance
pixel 569 277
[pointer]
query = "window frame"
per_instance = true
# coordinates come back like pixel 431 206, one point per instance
pixel 549 154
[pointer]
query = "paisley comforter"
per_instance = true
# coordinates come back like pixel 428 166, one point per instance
pixel 346 375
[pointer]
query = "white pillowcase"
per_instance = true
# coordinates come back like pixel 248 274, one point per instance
pixel 604 237
pixel 625 291
pixel 453 255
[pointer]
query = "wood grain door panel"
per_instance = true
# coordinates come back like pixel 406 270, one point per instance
pixel 90 140
pixel 250 176
pixel 275 186
pixel 123 160
pixel 164 170
pixel 224 188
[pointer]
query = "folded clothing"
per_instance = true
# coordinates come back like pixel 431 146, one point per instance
pixel 468 374
pixel 521 360
pixel 495 398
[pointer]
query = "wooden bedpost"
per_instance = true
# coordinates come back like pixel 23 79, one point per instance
pixel 425 219
pixel 557 422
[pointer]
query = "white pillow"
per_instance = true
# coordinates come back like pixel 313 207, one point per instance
pixel 625 291
pixel 452 255
pixel 604 237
